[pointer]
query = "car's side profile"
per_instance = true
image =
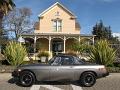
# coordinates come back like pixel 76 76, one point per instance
pixel 60 67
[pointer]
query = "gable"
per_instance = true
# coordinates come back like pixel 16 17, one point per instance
pixel 60 6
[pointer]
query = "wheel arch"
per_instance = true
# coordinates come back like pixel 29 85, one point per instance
pixel 89 72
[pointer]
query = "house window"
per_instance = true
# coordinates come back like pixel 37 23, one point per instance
pixel 57 25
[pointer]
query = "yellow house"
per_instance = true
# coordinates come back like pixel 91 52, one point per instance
pixel 56 30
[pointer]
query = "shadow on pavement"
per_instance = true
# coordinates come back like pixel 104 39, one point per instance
pixel 58 83
pixel 15 81
pixel 12 81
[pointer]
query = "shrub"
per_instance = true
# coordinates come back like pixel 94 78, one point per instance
pixel 40 54
pixel 102 53
pixel 15 53
pixel 80 47
pixel 113 69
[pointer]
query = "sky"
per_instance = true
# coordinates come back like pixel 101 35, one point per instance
pixel 88 12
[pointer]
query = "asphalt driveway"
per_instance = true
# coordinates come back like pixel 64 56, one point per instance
pixel 111 82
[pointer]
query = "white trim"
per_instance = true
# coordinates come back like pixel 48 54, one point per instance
pixel 57 37
pixel 49 44
pixel 57 3
pixel 42 38
pixel 72 38
pixel 64 43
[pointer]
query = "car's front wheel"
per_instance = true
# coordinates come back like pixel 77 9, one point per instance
pixel 88 79
pixel 26 78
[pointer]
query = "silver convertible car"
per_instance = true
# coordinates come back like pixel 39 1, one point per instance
pixel 60 68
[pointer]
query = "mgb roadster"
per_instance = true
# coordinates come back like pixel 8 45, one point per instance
pixel 60 68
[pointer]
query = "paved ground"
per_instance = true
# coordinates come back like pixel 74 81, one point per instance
pixel 112 82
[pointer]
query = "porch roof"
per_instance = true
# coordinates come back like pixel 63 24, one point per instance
pixel 58 34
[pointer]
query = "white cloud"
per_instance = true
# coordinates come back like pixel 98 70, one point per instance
pixel 116 35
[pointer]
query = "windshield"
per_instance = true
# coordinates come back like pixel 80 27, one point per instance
pixel 77 60
pixel 55 61
pixel 51 61
pixel 63 60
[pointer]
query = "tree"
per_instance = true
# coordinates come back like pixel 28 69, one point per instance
pixel 19 22
pixel 5 7
pixel 101 31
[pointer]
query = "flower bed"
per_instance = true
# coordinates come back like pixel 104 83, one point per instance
pixel 113 69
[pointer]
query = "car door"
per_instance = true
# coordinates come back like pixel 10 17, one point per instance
pixel 62 69
pixel 42 72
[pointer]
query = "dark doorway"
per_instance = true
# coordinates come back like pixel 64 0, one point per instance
pixel 57 46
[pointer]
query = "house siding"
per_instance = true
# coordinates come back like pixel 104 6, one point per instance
pixel 68 24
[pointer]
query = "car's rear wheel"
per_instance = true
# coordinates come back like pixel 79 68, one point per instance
pixel 88 79
pixel 27 78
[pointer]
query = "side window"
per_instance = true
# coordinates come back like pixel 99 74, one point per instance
pixel 67 61
pixel 57 61
pixel 78 61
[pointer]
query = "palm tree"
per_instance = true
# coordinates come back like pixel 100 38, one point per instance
pixel 5 7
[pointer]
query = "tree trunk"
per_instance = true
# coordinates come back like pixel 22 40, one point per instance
pixel 1 27
pixel 1 18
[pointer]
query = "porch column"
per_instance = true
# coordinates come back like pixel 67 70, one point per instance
pixel 35 46
pixel 79 39
pixel 93 40
pixel 49 43
pixel 64 43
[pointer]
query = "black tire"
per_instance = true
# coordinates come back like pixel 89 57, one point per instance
pixel 88 79
pixel 27 79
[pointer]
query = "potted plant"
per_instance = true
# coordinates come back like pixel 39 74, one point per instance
pixel 43 56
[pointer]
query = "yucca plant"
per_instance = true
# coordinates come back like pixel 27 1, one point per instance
pixel 15 53
pixel 102 53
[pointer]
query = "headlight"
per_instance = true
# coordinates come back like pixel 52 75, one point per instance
pixel 17 70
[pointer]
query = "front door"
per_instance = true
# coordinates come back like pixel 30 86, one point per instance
pixel 57 47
